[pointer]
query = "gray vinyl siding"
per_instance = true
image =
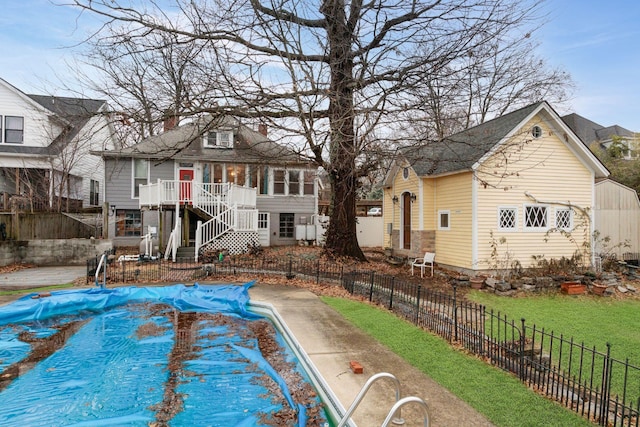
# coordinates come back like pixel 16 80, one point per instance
pixel 303 208
pixel 164 171
pixel 118 184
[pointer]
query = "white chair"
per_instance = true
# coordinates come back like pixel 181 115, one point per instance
pixel 426 261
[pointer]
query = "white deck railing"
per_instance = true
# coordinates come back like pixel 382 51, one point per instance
pixel 169 192
pixel 230 206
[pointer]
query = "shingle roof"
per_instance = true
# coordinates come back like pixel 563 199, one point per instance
pixel 73 112
pixel 185 143
pixel 462 150
pixel 589 131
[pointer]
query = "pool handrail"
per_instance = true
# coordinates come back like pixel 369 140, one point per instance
pixel 402 402
pixel 363 391
pixel 102 263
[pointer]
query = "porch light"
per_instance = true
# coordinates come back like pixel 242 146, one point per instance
pixel 112 210
pixel 413 197
pixel 395 199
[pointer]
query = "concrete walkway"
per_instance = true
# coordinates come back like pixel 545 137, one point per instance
pixel 331 343
pixel 41 276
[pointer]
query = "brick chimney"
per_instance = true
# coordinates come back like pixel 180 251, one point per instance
pixel 262 128
pixel 170 121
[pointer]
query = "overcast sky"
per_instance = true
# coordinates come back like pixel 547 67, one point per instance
pixel 596 41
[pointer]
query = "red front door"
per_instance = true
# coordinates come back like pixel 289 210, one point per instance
pixel 186 176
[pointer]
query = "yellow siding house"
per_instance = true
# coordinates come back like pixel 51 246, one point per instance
pixel 508 192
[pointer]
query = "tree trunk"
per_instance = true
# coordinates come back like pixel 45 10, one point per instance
pixel 342 239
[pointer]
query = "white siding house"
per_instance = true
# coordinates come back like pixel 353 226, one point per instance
pixel 215 183
pixel 44 151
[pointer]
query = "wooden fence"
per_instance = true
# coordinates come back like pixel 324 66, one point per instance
pixel 31 226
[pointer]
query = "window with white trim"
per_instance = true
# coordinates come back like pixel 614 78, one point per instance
pixel 444 220
pixel 219 139
pixel 507 218
pixel 94 192
pixel 309 182
pixel 536 217
pixel 140 175
pixel 14 129
pixel 564 218
pixel 279 181
pixel 294 183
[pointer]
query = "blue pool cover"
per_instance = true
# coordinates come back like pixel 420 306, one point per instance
pixel 116 364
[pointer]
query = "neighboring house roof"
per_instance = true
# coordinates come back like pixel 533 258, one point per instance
pixel 463 151
pixel 185 142
pixel 73 113
pixel 589 131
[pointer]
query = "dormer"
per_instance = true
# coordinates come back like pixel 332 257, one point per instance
pixel 220 138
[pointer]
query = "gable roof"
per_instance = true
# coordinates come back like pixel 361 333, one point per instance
pixel 73 114
pixel 589 131
pixel 463 151
pixel 185 142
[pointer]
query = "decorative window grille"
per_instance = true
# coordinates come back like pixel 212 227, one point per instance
pixel 507 218
pixel 536 217
pixel 564 218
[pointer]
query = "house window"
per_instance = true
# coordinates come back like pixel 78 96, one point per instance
pixel 241 175
pixel 294 182
pixel 536 217
pixel 286 225
pixel 564 218
pixel 128 223
pixel 140 175
pixel 507 218
pixel 279 181
pixel 94 192
pixel 263 221
pixel 443 220
pixel 309 180
pixel 536 131
pixel 13 129
pixel 219 139
pixel 1 129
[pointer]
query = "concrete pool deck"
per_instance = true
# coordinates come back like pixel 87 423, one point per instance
pixel 331 343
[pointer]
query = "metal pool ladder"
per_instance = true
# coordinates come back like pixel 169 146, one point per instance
pixel 395 410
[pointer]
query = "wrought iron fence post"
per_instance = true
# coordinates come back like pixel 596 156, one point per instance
pixel 372 280
pixel 317 271
pixel 522 343
pixel 418 304
pixel 455 313
pixel 289 271
pixel 606 388
pixel 393 282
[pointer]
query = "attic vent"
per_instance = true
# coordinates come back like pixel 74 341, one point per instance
pixel 405 173
pixel 536 131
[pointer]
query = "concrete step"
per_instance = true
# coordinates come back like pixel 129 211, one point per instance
pixel 186 252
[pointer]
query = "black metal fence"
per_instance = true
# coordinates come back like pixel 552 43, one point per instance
pixel 590 382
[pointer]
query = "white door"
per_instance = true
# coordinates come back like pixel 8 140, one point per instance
pixel 263 229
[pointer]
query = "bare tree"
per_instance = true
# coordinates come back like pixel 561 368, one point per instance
pixel 327 74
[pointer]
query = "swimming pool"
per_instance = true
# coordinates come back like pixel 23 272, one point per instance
pixel 153 356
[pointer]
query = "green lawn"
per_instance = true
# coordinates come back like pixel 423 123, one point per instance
pixel 591 321
pixel 496 394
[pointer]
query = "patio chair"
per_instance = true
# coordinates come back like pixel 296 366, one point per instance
pixel 426 261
